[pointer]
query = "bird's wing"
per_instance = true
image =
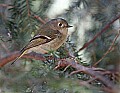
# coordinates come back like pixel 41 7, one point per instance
pixel 44 36
pixel 37 40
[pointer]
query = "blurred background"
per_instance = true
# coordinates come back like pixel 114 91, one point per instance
pixel 88 17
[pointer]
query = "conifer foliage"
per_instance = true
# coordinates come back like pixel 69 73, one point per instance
pixel 88 62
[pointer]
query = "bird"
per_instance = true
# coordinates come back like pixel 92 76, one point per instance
pixel 50 36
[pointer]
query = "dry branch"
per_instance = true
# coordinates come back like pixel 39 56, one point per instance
pixel 102 31
pixel 109 50
pixel 6 5
pixel 33 15
pixel 95 73
pixel 10 57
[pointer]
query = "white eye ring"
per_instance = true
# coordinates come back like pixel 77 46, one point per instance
pixel 60 25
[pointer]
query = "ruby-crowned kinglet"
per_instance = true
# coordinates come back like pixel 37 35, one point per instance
pixel 49 37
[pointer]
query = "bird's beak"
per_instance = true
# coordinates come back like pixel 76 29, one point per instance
pixel 69 26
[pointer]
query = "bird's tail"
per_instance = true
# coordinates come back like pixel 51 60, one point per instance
pixel 21 54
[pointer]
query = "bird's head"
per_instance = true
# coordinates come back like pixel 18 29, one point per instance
pixel 59 24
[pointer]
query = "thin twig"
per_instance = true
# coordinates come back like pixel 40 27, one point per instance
pixel 109 50
pixel 75 72
pixel 28 7
pixel 103 30
pixel 39 18
pixel 66 68
pixel 31 14
pixel 91 80
pixel 6 5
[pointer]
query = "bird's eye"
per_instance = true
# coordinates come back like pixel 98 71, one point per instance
pixel 60 24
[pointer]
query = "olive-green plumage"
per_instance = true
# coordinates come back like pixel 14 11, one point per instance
pixel 49 37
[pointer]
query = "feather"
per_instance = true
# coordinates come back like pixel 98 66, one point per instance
pixel 21 54
pixel 35 41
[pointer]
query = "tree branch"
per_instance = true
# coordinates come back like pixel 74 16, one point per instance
pixel 6 5
pixel 33 15
pixel 95 73
pixel 109 50
pixel 10 57
pixel 28 7
pixel 103 30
